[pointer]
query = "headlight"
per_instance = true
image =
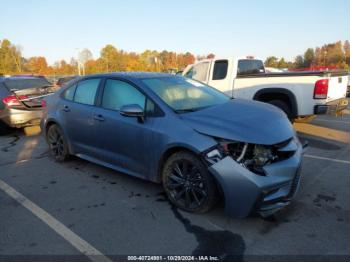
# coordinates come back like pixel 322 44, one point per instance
pixel 213 156
pixel 250 156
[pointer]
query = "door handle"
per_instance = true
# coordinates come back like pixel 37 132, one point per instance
pixel 66 109
pixel 99 118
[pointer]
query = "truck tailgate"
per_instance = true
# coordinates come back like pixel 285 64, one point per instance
pixel 337 87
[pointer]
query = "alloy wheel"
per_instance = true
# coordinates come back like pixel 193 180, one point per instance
pixel 56 142
pixel 186 185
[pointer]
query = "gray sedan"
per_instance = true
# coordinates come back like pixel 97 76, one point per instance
pixel 196 141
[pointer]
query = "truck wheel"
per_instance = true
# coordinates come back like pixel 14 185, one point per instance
pixel 283 106
pixel 188 183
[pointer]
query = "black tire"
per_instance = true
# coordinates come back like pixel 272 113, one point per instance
pixel 57 143
pixel 188 183
pixel 283 106
pixel 4 129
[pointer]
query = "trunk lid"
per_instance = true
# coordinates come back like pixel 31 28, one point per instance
pixel 29 91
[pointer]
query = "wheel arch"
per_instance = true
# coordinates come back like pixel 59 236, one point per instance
pixel 169 152
pixel 178 148
pixel 272 93
pixel 51 122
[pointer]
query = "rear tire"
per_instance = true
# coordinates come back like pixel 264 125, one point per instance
pixel 4 129
pixel 57 143
pixel 188 183
pixel 283 106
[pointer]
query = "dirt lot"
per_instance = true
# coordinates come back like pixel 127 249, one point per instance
pixel 103 212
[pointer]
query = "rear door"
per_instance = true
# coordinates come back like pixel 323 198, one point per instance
pixel 76 110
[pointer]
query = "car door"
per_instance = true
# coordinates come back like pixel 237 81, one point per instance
pixel 199 72
pixel 76 111
pixel 123 141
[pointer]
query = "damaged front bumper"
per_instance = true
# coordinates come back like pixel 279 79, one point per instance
pixel 246 192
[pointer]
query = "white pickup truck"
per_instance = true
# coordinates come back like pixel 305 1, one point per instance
pixel 301 95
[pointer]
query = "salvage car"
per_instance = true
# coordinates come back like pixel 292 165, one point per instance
pixel 196 141
pixel 20 101
pixel 301 95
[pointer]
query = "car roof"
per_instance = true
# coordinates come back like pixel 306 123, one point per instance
pixel 131 75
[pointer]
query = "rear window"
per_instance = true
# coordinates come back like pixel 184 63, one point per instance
pixel 19 84
pixel 250 66
pixel 220 69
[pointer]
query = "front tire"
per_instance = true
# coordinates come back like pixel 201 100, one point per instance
pixel 57 143
pixel 188 183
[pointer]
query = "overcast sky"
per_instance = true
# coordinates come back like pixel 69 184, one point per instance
pixel 56 29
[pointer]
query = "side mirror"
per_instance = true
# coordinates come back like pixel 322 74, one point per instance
pixel 133 110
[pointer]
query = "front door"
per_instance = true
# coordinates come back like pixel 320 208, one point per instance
pixel 123 141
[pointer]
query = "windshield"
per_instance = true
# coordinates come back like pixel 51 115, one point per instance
pixel 185 95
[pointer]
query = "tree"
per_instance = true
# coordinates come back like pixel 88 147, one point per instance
pixel 10 58
pixel 37 65
pixel 84 56
pixel 271 61
pixel 109 56
pixel 283 64
pixel 347 52
pixel 309 57
pixel 299 62
pixel 211 56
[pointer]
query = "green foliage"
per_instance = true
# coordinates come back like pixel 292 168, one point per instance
pixel 281 63
pixel 309 57
pixel 10 58
pixel 271 61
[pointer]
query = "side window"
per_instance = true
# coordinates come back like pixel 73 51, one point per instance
pixel 200 71
pixel 119 93
pixel 86 91
pixel 69 93
pixel 220 69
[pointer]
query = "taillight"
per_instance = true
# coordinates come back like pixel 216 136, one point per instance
pixel 321 89
pixel 13 100
pixel 43 103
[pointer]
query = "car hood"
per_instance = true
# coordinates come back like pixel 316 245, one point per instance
pixel 242 120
